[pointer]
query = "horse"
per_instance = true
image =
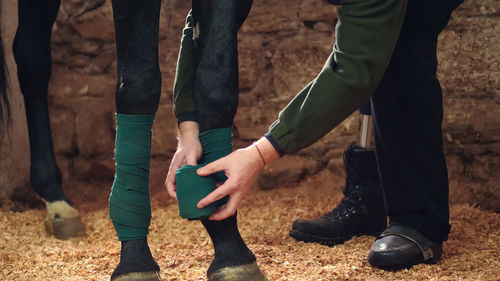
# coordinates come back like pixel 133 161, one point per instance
pixel 215 81
pixel 34 65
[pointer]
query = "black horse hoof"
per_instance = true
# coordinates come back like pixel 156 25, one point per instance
pixel 138 276
pixel 247 272
pixel 65 228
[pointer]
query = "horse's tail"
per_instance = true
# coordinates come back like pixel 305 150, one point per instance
pixel 4 96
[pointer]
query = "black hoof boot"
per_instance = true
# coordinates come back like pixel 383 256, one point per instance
pixel 136 263
pixel 401 247
pixel 361 211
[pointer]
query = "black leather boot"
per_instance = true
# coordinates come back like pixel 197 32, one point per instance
pixel 361 211
pixel 401 246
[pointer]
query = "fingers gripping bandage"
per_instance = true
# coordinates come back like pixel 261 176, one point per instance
pixel 191 188
pixel 129 202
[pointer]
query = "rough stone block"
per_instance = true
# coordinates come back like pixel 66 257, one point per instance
pixel 94 130
pixel 287 170
pixel 164 142
pixel 272 16
pixel 469 120
pixel 298 60
pixel 97 24
pixel 62 123
pixel 253 122
pixel 469 57
pixel 88 169
pixel 317 10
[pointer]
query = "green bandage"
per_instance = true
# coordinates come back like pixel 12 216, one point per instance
pixel 216 144
pixel 129 202
pixel 191 188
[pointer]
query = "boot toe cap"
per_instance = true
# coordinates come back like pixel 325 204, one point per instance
pixel 394 252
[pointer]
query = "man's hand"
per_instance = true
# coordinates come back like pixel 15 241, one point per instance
pixel 242 168
pixel 188 153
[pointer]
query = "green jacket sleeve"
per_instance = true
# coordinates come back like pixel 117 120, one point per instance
pixel 366 34
pixel 184 75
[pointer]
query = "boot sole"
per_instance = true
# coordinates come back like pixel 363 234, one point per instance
pixel 327 241
pixel 397 267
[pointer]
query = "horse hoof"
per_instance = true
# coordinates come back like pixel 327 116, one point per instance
pixel 139 276
pixel 247 272
pixel 65 228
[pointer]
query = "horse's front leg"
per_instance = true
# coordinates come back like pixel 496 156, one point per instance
pixel 137 98
pixel 32 55
pixel 216 97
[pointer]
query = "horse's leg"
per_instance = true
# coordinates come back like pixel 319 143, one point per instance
pixel 32 55
pixel 137 99
pixel 216 95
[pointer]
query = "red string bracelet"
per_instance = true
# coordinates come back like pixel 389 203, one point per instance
pixel 258 150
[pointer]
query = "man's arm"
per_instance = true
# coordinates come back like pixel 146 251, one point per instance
pixel 189 149
pixel 188 153
pixel 242 168
pixel 366 35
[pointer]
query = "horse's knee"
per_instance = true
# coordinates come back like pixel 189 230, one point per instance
pixel 222 12
pixel 138 92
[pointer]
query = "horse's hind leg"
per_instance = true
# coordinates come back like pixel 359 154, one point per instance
pixel 32 55
pixel 137 98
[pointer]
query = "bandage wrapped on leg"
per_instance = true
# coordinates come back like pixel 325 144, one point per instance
pixel 191 188
pixel 129 201
pixel 216 143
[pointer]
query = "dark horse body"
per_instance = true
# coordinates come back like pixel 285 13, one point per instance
pixel 32 54
pixel 138 93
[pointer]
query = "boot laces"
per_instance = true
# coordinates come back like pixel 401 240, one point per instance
pixel 352 203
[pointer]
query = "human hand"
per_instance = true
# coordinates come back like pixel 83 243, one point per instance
pixel 241 168
pixel 188 152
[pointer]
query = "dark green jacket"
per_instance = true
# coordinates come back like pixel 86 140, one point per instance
pixel 366 34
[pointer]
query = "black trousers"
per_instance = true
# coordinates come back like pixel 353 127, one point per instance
pixel 407 113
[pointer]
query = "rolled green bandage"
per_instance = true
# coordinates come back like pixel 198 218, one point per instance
pixel 129 201
pixel 191 188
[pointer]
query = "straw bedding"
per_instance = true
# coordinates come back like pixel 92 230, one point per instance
pixel 184 251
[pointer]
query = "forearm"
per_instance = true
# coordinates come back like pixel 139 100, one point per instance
pixel 184 76
pixel 265 151
pixel 366 35
pixel 188 130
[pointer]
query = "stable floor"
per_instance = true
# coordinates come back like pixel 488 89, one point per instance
pixel 184 251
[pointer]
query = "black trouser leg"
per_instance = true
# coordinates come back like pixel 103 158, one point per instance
pixel 32 54
pixel 216 96
pixel 407 111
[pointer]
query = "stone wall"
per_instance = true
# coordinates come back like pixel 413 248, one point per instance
pixel 281 50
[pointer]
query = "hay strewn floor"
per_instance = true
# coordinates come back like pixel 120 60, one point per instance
pixel 184 251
